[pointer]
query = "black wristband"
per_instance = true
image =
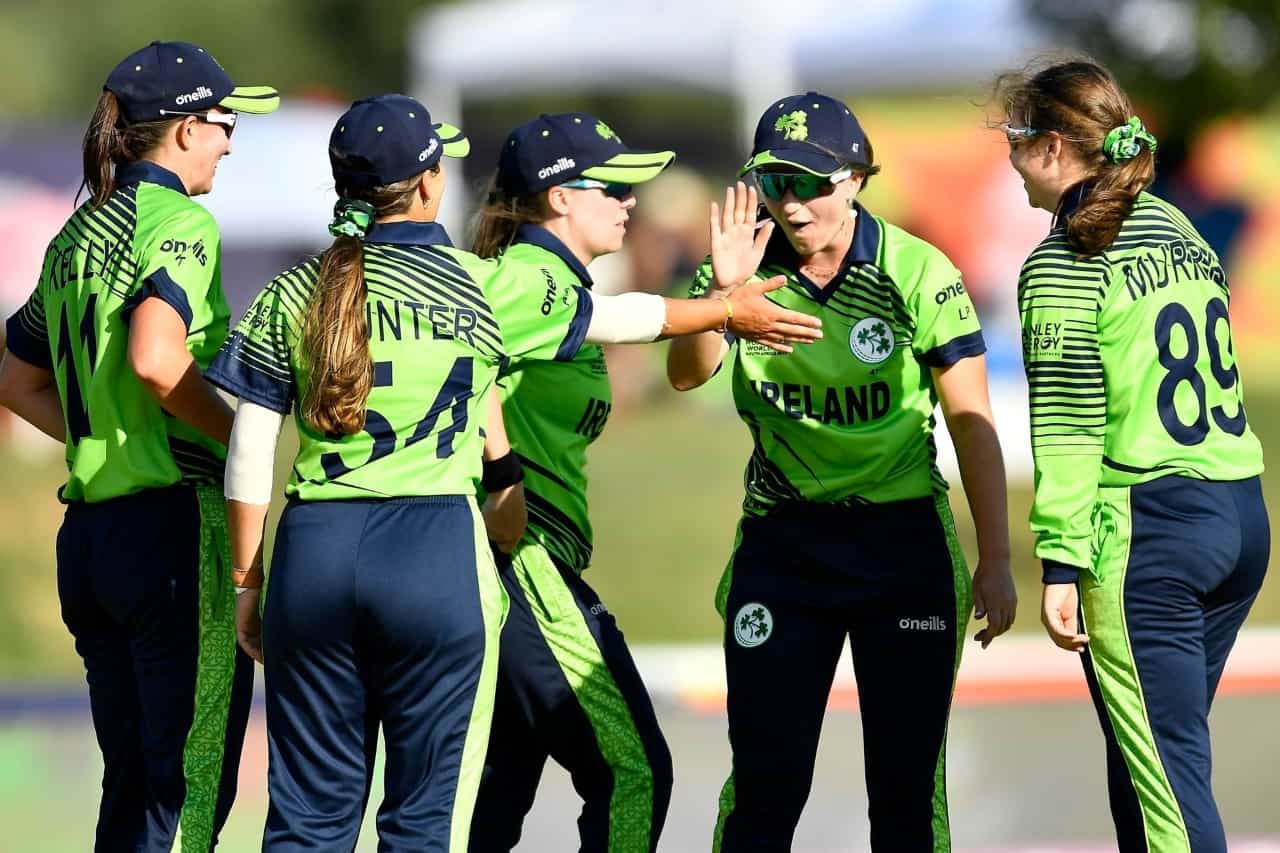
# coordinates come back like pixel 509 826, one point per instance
pixel 501 473
pixel 1053 571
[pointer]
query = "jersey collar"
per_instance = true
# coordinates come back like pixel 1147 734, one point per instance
pixel 1070 200
pixel 152 173
pixel 865 249
pixel 406 232
pixel 536 235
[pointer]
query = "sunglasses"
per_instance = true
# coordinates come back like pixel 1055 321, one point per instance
pixel 227 120
pixel 1015 134
pixel 613 189
pixel 802 185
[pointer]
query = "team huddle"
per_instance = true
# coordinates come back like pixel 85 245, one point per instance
pixel 427 580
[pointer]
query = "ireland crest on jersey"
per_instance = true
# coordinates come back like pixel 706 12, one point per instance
pixel 871 340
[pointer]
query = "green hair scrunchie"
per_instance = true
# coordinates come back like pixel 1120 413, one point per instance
pixel 1124 142
pixel 351 218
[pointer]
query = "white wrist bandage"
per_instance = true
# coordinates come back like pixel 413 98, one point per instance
pixel 251 455
pixel 628 318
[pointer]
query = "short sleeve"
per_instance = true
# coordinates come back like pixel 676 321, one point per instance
pixel 179 262
pixel 946 324
pixel 541 318
pixel 255 363
pixel 27 332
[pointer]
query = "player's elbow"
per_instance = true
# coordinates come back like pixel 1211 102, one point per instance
pixel 684 383
pixel 157 369
pixel 685 374
pixel 19 380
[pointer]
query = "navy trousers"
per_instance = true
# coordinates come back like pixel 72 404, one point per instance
pixel 379 615
pixel 891 579
pixel 568 689
pixel 132 594
pixel 1178 564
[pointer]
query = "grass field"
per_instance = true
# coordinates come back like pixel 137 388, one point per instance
pixel 666 486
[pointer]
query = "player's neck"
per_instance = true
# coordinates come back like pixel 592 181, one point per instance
pixel 821 267
pixel 559 226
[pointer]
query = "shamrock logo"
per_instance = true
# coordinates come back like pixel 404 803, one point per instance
pixel 793 125
pixel 752 625
pixel 871 340
pixel 606 132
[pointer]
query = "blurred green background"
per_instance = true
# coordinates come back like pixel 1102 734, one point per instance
pixel 666 485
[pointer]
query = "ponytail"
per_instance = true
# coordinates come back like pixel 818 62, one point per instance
pixel 111 141
pixel 335 333
pixel 495 224
pixel 1094 225
pixel 335 330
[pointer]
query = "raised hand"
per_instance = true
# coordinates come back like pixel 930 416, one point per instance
pixel 736 245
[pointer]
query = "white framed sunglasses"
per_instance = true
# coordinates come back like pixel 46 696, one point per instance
pixel 227 120
pixel 1014 133
pixel 613 189
pixel 803 185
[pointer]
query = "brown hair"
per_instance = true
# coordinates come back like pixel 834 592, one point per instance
pixel 1082 102
pixel 495 224
pixel 335 332
pixel 111 141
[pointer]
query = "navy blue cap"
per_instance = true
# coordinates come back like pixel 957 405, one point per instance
pixel 176 77
pixel 556 148
pixel 388 138
pixel 812 132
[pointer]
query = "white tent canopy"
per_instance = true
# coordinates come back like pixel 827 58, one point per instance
pixel 750 50
pixel 277 189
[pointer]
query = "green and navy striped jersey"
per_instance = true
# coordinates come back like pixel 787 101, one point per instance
pixel 553 411
pixel 148 239
pixel 850 417
pixel 441 322
pixel 1131 370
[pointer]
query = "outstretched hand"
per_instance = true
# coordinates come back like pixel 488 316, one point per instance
pixel 758 318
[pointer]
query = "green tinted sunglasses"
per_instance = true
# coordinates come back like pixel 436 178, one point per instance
pixel 802 185
pixel 613 189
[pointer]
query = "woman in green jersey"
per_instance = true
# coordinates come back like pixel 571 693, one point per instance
pixel 568 688
pixel 1148 510
pixel 846 529
pixel 385 607
pixel 107 355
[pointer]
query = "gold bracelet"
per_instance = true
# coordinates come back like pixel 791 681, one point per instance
pixel 250 577
pixel 728 314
